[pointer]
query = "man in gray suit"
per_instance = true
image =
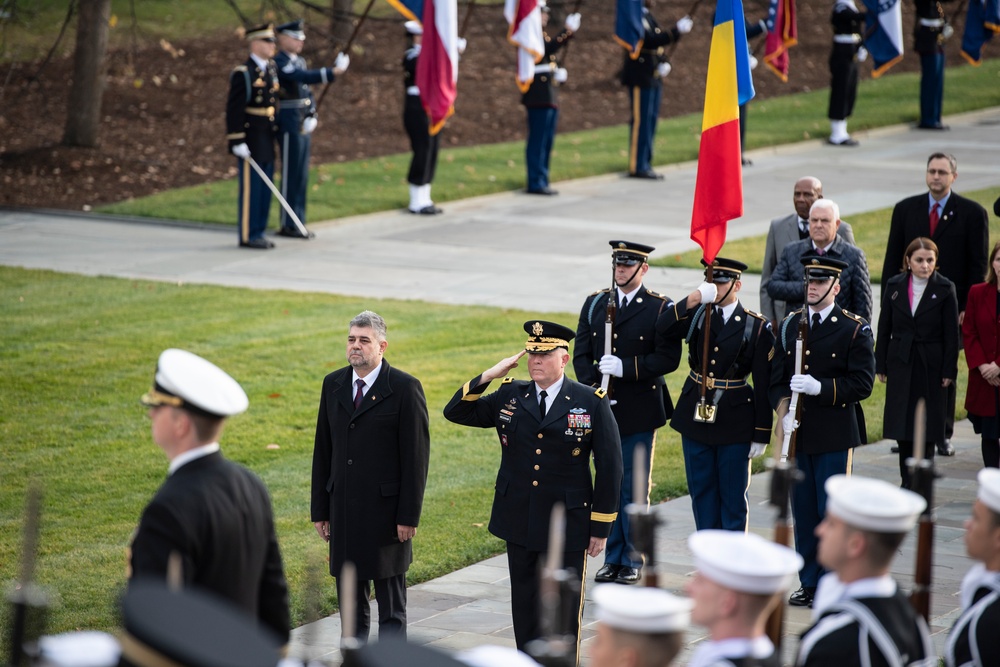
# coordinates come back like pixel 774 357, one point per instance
pixel 794 227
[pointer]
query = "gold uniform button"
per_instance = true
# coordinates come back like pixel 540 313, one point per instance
pixel 539 436
pixel 805 367
pixel 535 483
pixel 615 336
pixel 713 362
pixel 716 350
pixel 538 451
pixel 808 352
pixel 536 468
pixel 834 355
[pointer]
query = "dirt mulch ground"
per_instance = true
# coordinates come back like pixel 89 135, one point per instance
pixel 170 132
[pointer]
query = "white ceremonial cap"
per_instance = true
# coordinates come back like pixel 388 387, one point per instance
pixel 414 27
pixel 79 649
pixel 989 488
pixel 744 562
pixel 490 655
pixel 641 609
pixel 186 380
pixel 872 504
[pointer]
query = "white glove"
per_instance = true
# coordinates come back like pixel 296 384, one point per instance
pixel 862 54
pixel 461 44
pixel 756 449
pixel 309 124
pixel 241 151
pixel 610 365
pixel 561 75
pixel 573 22
pixel 805 384
pixel 788 423
pixel 663 69
pixel 684 25
pixel 708 292
pixel 341 63
pixel 753 62
pixel 947 31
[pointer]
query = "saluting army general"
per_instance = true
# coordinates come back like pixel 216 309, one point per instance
pixel 734 427
pixel 250 130
pixel 838 371
pixel 548 427
pixel 541 102
pixel 973 641
pixel 641 402
pixel 297 119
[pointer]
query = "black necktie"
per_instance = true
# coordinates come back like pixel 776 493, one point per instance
pixel 803 231
pixel 621 308
pixel 361 393
pixel 816 320
pixel 541 403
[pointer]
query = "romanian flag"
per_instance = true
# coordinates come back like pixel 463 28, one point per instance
pixel 883 34
pixel 413 10
pixel 629 31
pixel 437 64
pixel 782 34
pixel 525 32
pixel 718 192
pixel 981 23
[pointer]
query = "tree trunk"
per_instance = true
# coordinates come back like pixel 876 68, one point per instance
pixel 83 118
pixel 342 24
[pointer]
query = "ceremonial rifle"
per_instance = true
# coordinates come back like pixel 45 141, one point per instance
pixel 349 644
pixel 609 322
pixel 559 588
pixel 690 14
pixel 27 601
pixel 784 476
pixel 642 522
pixel 468 15
pixel 346 49
pixel 789 437
pixel 703 412
pixel 922 476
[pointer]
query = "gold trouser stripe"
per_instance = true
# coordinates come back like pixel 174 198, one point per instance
pixel 649 472
pixel 579 616
pixel 139 654
pixel 245 203
pixel 601 517
pixel 633 148
pixel 850 461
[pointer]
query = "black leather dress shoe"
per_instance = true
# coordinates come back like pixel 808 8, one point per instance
pixel 294 233
pixel 608 573
pixel 802 597
pixel 649 175
pixel 894 449
pixel 258 244
pixel 932 126
pixel 849 141
pixel 747 162
pixel 946 448
pixel 627 575
pixel 543 191
pixel 430 209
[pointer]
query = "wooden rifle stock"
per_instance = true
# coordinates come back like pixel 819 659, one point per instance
pixel 642 522
pixel 922 476
pixel 557 646
pixel 784 476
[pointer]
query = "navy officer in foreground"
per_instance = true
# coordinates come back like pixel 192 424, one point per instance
pixel 548 427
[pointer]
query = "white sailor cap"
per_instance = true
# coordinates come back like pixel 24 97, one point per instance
pixel 643 610
pixel 989 488
pixel 79 649
pixel 491 655
pixel 414 27
pixel 744 562
pixel 186 380
pixel 872 504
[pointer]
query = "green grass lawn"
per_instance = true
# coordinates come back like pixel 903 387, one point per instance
pixel 344 189
pixel 870 232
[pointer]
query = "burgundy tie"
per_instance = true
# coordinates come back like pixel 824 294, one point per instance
pixel 935 216
pixel 361 393
pixel 820 252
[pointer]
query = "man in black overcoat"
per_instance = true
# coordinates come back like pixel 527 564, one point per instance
pixel 211 519
pixel 635 366
pixel 549 427
pixel 369 472
pixel 959 227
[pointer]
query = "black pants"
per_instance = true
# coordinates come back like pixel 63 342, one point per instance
pixel 905 452
pixel 843 81
pixel 425 147
pixel 525 567
pixel 390 594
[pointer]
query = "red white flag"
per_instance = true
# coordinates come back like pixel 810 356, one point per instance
pixel 437 64
pixel 525 32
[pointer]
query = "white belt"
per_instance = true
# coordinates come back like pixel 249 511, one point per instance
pixel 543 69
pixel 932 23
pixel 847 39
pixel 295 104
pixel 413 90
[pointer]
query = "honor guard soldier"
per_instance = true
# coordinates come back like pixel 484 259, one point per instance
pixel 636 366
pixel 643 75
pixel 548 427
pixel 541 102
pixel 837 374
pixel 212 515
pixel 860 617
pixel 973 641
pixel 297 119
pixel 739 579
pixel 930 30
pixel 638 627
pixel 250 129
pixel 847 52
pixel 732 425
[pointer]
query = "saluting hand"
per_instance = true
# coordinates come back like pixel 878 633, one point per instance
pixel 503 367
